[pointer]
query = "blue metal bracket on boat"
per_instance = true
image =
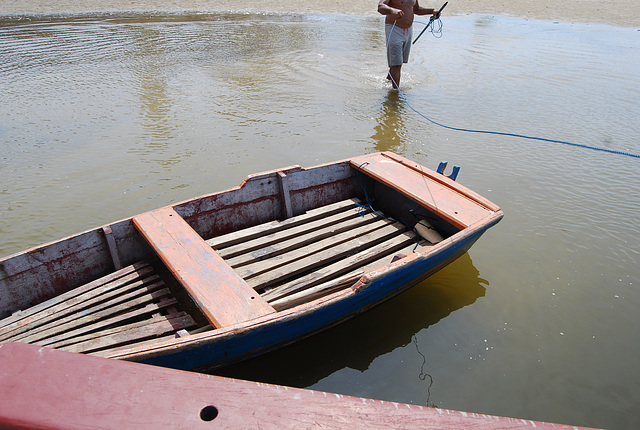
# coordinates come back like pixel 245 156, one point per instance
pixel 453 175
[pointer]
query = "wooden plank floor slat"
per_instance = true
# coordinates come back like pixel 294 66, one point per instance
pixel 311 262
pixel 107 352
pixel 148 309
pixel 316 291
pixel 62 344
pixel 311 291
pixel 230 239
pixel 84 320
pixel 84 303
pixel 313 249
pixel 126 294
pixel 135 332
pixel 302 239
pixel 113 279
pixel 276 238
pixel 348 265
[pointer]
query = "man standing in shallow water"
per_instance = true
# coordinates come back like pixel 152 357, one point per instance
pixel 399 30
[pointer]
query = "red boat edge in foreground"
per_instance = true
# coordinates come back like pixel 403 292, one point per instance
pixel 230 275
pixel 44 388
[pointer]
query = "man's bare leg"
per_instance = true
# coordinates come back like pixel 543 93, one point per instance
pixel 394 76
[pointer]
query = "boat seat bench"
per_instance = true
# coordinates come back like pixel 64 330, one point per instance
pixel 221 294
pixel 124 307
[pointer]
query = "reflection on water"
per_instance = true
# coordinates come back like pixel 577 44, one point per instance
pixel 424 376
pixel 156 103
pixel 390 130
pixel 105 117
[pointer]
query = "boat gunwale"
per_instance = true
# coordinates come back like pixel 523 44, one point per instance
pixel 461 189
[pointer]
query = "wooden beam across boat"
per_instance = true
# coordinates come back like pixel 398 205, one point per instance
pixel 223 296
pixel 51 389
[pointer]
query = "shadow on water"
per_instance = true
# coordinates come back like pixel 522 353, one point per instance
pixel 357 343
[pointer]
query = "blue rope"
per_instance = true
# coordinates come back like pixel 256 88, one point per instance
pixel 499 133
pixel 362 209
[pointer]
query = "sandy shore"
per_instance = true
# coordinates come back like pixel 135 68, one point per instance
pixel 614 12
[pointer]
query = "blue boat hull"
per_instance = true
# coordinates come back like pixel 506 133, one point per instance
pixel 261 338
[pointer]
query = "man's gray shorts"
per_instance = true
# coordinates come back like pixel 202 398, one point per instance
pixel 399 46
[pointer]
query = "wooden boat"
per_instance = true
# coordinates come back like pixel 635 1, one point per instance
pixel 230 275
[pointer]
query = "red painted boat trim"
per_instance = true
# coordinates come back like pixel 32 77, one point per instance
pixel 51 389
pixel 450 200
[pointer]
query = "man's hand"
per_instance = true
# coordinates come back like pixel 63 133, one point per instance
pixel 385 9
pixel 397 14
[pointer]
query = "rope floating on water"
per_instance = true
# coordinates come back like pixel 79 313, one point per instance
pixel 438 33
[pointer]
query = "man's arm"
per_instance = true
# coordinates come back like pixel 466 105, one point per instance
pixel 385 9
pixel 419 10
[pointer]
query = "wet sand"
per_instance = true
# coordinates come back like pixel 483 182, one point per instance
pixel 613 12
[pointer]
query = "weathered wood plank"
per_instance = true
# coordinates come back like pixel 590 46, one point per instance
pixel 223 296
pixel 146 310
pixel 273 239
pixel 113 248
pixel 350 266
pixel 83 322
pixel 326 256
pixel 118 301
pixel 285 194
pixel 318 291
pixel 64 297
pixel 108 352
pixel 314 248
pixel 230 239
pixel 61 344
pixel 55 314
pixel 301 238
pixel 162 397
pixel 142 330
pixel 311 293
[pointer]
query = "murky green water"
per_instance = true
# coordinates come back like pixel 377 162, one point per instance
pixel 105 117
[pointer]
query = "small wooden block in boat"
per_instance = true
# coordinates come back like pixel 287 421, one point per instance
pixel 426 231
pixel 222 295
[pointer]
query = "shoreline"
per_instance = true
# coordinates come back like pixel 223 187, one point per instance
pixel 624 13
